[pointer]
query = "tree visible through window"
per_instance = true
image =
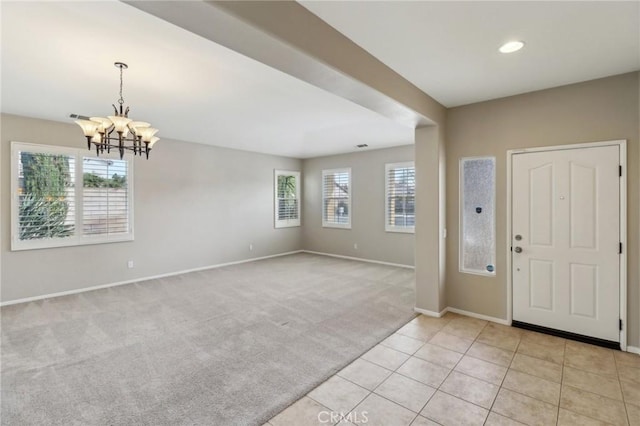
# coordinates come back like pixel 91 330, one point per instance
pixel 105 196
pixel 287 198
pixel 46 196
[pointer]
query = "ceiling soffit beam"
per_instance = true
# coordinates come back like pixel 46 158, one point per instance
pixel 286 36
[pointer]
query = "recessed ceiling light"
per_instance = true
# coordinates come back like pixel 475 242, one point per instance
pixel 511 46
pixel 362 145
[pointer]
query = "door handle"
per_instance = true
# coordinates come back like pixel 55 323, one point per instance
pixel 518 249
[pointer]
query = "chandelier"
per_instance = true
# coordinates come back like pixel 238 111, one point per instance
pixel 118 131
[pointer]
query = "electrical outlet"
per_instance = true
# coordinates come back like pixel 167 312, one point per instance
pixel 250 247
pixel 355 246
pixel 130 264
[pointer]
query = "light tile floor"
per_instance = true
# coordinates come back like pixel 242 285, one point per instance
pixel 458 370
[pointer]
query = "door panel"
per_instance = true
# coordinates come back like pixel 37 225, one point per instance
pixel 584 290
pixel 565 206
pixel 583 205
pixel 541 287
pixel 541 223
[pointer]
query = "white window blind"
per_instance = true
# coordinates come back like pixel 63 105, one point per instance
pixel 105 196
pixel 336 198
pixel 61 198
pixel 400 190
pixel 287 198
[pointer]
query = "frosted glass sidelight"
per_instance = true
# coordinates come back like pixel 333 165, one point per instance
pixel 477 215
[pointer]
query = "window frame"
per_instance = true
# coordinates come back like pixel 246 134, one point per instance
pixel 326 224
pixel 286 223
pixel 388 167
pixel 78 238
pixel 461 235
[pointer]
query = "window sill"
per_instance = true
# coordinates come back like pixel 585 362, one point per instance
pixel 400 230
pixel 336 225
pixel 284 224
pixel 481 273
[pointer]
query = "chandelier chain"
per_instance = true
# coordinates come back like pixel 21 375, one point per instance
pixel 121 100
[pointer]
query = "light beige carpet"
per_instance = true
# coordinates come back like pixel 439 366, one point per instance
pixel 228 346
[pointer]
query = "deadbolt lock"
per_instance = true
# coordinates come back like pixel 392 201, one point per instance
pixel 518 237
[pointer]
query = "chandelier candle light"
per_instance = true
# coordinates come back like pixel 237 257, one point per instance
pixel 136 136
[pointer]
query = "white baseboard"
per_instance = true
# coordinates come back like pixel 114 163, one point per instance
pixel 633 350
pixel 361 259
pixel 461 312
pixel 479 316
pixel 430 313
pixel 135 280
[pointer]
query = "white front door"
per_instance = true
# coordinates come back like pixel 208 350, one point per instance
pixel 565 240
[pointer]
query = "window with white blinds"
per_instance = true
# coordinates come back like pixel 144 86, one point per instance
pixel 336 198
pixel 105 196
pixel 287 198
pixel 62 198
pixel 400 197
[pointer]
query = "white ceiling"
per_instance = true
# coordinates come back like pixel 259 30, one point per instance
pixel 57 59
pixel 449 49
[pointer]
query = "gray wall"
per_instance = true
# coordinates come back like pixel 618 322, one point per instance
pixel 599 110
pixel 367 208
pixel 183 215
pixel 430 219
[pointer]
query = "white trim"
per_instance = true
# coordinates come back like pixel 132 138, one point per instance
pixel 622 144
pixel 479 316
pixel 508 236
pixel 569 146
pixel 430 313
pixel 633 349
pixel 461 312
pixel 326 224
pixel 625 245
pixel 286 223
pixel 387 168
pixel 361 259
pixel 461 236
pixel 135 280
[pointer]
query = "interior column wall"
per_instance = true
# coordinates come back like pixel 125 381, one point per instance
pixel 430 219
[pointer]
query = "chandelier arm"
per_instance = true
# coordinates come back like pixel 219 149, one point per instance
pixel 121 146
pixel 108 140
